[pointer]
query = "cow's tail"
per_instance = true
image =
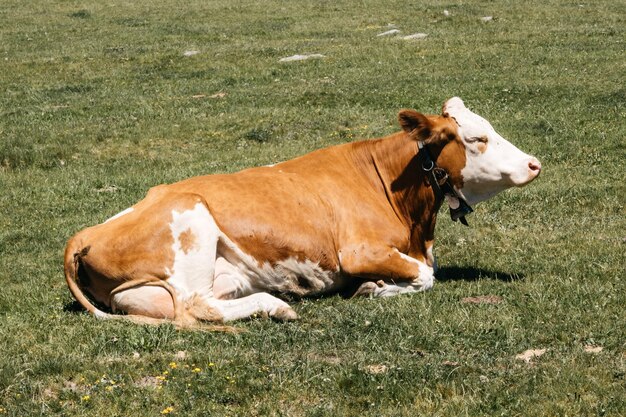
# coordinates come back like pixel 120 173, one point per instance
pixel 73 254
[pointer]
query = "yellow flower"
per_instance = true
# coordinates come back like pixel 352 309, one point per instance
pixel 167 410
pixel 211 364
pixel 109 388
pixel 196 370
pixel 173 365
pixel 85 398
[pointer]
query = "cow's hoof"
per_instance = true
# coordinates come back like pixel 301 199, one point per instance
pixel 285 314
pixel 366 289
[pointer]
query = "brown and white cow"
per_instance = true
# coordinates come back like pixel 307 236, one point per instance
pixel 214 248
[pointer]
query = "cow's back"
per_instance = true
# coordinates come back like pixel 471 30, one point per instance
pixel 290 210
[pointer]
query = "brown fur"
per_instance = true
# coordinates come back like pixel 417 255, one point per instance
pixel 187 241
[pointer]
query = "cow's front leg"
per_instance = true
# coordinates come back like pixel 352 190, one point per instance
pixel 382 288
pixel 245 307
pixel 389 272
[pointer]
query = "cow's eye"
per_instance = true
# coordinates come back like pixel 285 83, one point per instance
pixel 480 139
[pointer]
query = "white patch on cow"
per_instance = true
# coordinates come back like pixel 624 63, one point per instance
pixel 247 275
pixel 192 272
pixel 120 214
pixel 493 164
pixel 426 277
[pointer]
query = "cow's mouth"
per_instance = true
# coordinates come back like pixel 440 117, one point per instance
pixel 534 169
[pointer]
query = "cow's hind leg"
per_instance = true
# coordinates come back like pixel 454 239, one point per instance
pixel 155 299
pixel 258 303
pixel 229 282
pixel 236 298
pixel 150 301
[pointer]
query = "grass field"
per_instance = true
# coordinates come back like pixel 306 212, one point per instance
pixel 99 101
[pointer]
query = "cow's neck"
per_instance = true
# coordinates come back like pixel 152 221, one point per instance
pixel 399 169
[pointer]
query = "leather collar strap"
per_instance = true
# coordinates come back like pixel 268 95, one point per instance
pixel 440 181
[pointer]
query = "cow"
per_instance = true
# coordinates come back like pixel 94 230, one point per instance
pixel 360 215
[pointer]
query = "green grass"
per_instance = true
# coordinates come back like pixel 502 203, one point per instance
pixel 97 105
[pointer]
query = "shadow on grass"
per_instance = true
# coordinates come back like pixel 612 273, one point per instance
pixel 456 273
pixel 73 307
pixel 76 307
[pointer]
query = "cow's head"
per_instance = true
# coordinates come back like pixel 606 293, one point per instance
pixel 480 162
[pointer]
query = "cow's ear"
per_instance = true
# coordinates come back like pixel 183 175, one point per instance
pixel 415 124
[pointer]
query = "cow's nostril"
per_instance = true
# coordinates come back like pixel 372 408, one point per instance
pixel 534 165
